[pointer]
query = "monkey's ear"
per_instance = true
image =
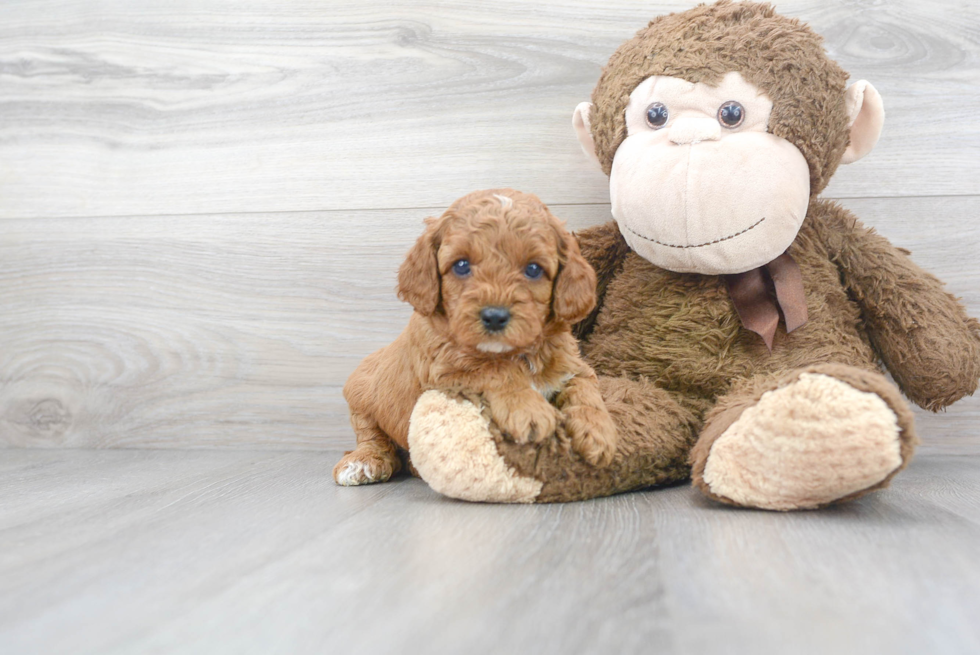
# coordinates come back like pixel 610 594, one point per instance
pixel 574 293
pixel 418 276
pixel 867 116
pixel 583 130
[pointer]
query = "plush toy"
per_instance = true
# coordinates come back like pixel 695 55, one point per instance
pixel 742 323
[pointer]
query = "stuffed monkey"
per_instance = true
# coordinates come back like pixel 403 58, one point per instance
pixel 742 323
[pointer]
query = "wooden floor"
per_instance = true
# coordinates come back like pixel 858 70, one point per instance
pixel 132 551
pixel 203 204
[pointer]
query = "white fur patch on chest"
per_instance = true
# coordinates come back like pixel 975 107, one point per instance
pixel 552 389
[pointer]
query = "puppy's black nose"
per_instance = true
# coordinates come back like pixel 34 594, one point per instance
pixel 494 318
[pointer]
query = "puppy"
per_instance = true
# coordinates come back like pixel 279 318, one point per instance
pixel 496 283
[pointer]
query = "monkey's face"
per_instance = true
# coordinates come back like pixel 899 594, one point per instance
pixel 699 185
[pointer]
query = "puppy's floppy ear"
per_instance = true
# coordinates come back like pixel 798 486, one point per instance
pixel 418 276
pixel 574 292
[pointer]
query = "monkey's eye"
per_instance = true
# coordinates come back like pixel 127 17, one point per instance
pixel 461 268
pixel 656 115
pixel 731 114
pixel 533 271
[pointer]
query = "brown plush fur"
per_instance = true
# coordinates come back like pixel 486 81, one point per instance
pixel 656 434
pixel 673 358
pixel 887 310
pixel 445 345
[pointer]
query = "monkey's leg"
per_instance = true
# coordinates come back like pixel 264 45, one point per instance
pixel 809 438
pixel 375 459
pixel 655 434
pixel 459 452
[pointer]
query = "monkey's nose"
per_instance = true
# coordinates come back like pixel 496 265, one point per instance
pixel 494 319
pixel 694 130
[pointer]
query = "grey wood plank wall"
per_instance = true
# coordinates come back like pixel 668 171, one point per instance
pixel 203 204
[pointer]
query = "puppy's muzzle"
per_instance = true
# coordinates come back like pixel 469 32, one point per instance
pixel 494 319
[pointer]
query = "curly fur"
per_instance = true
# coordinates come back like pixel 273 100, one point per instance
pixel 518 370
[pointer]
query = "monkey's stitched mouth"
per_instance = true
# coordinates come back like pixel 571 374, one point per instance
pixel 699 245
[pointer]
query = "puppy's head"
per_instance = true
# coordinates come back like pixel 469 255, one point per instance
pixel 501 269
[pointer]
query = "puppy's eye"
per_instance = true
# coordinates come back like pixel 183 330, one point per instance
pixel 533 271
pixel 731 114
pixel 657 115
pixel 462 268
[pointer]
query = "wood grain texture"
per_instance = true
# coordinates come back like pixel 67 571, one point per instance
pixel 202 208
pixel 243 552
pixel 240 330
pixel 160 107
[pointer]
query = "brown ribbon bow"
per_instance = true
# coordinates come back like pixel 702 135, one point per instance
pixel 750 291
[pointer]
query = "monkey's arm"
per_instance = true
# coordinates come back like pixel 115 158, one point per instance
pixel 604 247
pixel 921 332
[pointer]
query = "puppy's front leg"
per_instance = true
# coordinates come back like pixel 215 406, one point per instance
pixel 374 460
pixel 587 421
pixel 522 414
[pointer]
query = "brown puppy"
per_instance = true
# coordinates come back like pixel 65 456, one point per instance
pixel 496 283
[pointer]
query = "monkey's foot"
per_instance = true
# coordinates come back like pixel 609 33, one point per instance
pixel 455 453
pixel 817 436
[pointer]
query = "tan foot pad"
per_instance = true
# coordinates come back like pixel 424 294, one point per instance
pixel 807 444
pixel 454 452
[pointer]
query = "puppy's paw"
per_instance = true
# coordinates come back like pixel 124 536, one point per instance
pixel 593 434
pixel 528 422
pixel 362 466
